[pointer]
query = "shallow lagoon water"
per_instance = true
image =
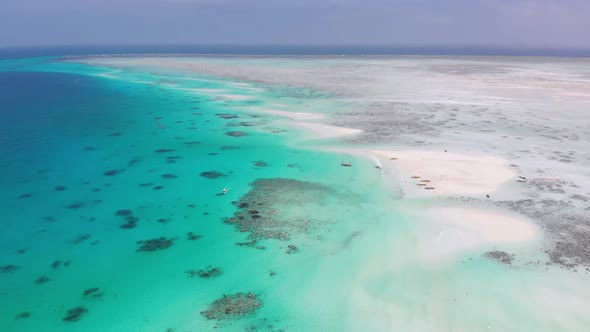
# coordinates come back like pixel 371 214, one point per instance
pixel 132 142
pixel 153 140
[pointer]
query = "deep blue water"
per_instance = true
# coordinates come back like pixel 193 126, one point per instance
pixel 25 52
pixel 42 113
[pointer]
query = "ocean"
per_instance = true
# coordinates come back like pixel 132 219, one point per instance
pixel 145 196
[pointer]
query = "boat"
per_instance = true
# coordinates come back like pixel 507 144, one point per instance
pixel 346 164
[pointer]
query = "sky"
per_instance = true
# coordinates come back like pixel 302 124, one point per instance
pixel 526 23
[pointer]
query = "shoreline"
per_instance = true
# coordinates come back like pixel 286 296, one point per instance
pixel 457 226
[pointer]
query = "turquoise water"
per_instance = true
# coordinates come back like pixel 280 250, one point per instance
pixel 98 163
pixel 80 143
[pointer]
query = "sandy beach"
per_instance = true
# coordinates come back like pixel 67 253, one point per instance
pixel 448 173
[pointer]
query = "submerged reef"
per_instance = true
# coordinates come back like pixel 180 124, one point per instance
pixel 80 238
pixel 56 264
pixel 229 147
pixel 9 268
pixel 292 249
pixel 75 205
pixel 232 306
pixel 208 273
pixel 192 236
pixel 236 133
pixel 74 314
pixel 41 280
pixel 112 172
pixel 226 116
pixel 212 174
pixel 500 256
pixel 164 150
pixel 259 163
pixel 160 243
pixel 568 233
pixel 93 292
pixel 23 315
pixel 258 209
pixel 127 215
pixel 124 212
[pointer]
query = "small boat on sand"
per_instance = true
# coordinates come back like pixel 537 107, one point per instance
pixel 424 180
pixel 429 188
pixel 415 177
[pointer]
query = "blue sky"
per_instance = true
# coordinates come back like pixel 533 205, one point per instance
pixel 529 23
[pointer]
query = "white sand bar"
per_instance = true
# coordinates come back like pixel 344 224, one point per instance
pixel 297 116
pixel 323 131
pixel 463 228
pixel 449 173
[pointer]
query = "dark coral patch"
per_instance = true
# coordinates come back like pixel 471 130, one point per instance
pixel 212 174
pixel 75 205
pixel 90 291
pixel 59 188
pixel 259 163
pixel 112 172
pixel 169 176
pixel 232 306
pixel 93 293
pixel 157 187
pixel 291 249
pixel 80 238
pixel 23 315
pixel 193 237
pixel 229 147
pixel 74 314
pixel 131 222
pixel 155 244
pixel 226 116
pixel 268 196
pixel 9 268
pixel 41 280
pixel 208 273
pixel 500 256
pixel 23 196
pixel 249 124
pixel 236 133
pixel 164 150
pixel 124 212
